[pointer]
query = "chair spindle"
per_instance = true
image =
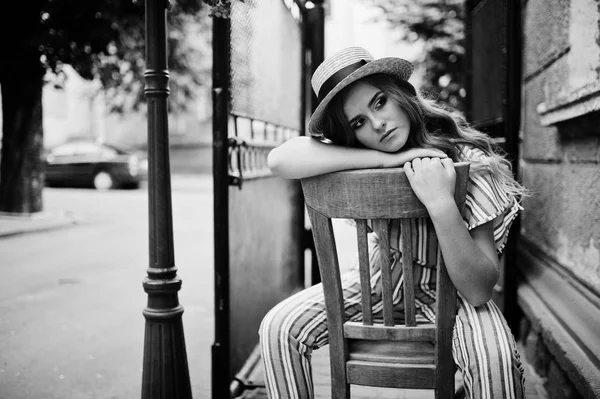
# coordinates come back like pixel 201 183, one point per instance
pixel 381 227
pixel 365 272
pixel 407 269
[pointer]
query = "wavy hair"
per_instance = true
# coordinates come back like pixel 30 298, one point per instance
pixel 432 125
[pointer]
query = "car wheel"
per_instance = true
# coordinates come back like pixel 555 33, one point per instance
pixel 103 181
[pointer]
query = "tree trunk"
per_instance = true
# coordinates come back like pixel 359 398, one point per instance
pixel 21 167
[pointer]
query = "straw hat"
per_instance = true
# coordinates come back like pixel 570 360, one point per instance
pixel 345 67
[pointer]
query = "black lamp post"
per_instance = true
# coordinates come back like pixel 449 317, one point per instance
pixel 165 367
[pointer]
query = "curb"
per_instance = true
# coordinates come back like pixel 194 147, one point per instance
pixel 12 224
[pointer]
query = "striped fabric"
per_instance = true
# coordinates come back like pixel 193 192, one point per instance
pixel 483 346
pixel 484 349
pixel 487 201
pixel 489 369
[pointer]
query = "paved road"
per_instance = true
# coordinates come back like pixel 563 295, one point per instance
pixel 71 300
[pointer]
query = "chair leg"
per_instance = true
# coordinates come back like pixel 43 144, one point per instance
pixel 341 391
pixel 444 387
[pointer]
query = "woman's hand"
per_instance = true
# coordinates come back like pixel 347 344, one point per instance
pixel 433 181
pixel 400 158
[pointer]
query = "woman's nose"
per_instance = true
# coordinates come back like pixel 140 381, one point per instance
pixel 379 125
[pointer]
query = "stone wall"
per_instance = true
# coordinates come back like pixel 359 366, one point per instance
pixel 559 244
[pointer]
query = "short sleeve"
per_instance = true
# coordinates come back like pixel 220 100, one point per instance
pixel 487 201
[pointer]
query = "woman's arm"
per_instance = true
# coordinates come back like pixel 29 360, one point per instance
pixel 304 156
pixel 470 256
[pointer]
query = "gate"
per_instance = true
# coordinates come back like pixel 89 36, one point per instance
pixel 259 93
pixel 493 102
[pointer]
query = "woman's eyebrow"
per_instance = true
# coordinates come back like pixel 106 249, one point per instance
pixel 371 102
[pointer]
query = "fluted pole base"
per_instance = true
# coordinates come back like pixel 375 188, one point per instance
pixel 165 373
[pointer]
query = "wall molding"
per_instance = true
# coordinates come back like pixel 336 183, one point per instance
pixel 531 249
pixel 577 103
pixel 565 312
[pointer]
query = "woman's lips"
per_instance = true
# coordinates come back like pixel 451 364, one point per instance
pixel 386 134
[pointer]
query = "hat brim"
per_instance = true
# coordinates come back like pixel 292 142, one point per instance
pixel 391 66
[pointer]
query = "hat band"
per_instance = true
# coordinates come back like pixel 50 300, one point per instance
pixel 337 77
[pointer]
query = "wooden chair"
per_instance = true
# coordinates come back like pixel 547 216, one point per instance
pixel 410 355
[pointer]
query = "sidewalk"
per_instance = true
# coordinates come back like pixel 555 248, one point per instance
pixel 322 382
pixel 15 224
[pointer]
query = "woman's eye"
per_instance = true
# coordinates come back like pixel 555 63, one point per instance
pixel 380 102
pixel 358 123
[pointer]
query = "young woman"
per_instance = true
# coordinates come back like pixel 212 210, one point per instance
pixel 370 116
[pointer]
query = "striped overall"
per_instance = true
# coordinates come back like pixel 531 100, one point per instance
pixel 484 349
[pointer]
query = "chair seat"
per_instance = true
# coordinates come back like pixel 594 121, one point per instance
pixel 391 352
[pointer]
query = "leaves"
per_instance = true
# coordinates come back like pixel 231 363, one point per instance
pixel 105 40
pixel 436 25
pixel 220 8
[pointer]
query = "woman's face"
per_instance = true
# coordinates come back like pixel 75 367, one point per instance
pixel 378 123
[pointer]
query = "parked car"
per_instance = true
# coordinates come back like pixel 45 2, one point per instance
pixel 92 164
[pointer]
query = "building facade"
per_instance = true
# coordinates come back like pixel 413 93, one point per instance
pixel 558 249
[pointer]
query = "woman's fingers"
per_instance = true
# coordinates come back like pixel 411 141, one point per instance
pixel 417 164
pixel 415 153
pixel 448 164
pixel 427 164
pixel 431 152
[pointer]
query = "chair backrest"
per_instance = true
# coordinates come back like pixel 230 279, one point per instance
pixel 378 195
